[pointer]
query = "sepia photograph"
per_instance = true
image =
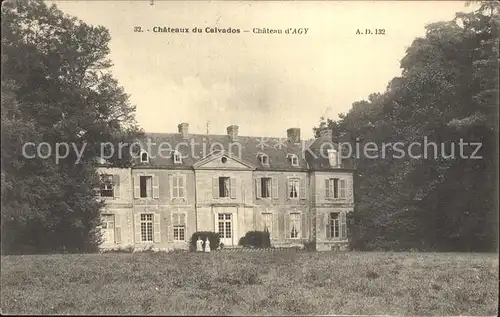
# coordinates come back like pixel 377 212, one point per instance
pixel 250 158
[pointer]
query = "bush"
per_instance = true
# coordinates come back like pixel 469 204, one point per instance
pixel 213 237
pixel 257 239
pixel 243 241
pixel 128 249
pixel 310 246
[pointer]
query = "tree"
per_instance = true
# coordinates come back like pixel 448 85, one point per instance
pixel 448 91
pixel 56 88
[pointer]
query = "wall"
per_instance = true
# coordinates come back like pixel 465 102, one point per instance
pixel 240 206
pixel 322 207
pixel 281 206
pixel 120 206
pixel 200 207
pixel 204 195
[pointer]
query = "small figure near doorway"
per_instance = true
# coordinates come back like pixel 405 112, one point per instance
pixel 207 245
pixel 199 245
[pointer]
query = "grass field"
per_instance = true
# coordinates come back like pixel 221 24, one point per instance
pixel 251 283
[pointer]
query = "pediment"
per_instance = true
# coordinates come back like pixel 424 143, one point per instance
pixel 221 161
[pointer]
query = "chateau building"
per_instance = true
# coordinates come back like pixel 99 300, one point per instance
pixel 299 191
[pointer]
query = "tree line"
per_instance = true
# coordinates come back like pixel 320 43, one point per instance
pixel 57 87
pixel 447 92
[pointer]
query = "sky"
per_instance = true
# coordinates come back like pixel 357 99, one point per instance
pixel 264 83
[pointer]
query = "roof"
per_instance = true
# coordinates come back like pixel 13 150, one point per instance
pixel 245 148
pixel 317 154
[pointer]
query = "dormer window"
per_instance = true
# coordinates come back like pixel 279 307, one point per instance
pixel 294 159
pixel 144 157
pixel 177 157
pixel 264 159
pixel 333 157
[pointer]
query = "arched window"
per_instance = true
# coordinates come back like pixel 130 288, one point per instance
pixel 333 158
pixel 294 159
pixel 263 158
pixel 177 157
pixel 144 157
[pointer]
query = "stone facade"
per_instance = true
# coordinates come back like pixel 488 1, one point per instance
pixel 293 192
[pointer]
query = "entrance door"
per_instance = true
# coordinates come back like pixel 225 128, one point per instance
pixel 225 228
pixel 108 228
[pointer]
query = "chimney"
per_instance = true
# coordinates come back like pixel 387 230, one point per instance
pixel 232 131
pixel 183 130
pixel 326 133
pixel 293 135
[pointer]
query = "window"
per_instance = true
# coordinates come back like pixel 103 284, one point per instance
pixel 144 157
pixel 108 228
pixel 225 230
pixel 336 226
pixel 177 157
pixel 178 186
pixel 265 187
pixel 293 187
pixel 146 186
pixel 224 186
pixel 294 225
pixel 333 229
pixel 108 221
pixel 179 225
pixel 333 157
pixel 267 222
pixel 335 188
pixel 147 227
pixel 179 233
pixel 107 186
pixel 264 159
pixel 294 159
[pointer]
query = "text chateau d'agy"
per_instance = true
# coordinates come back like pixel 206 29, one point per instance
pixel 208 29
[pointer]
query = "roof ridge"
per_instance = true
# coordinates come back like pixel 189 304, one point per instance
pixel 220 135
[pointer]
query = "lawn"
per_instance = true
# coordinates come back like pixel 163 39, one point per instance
pixel 240 283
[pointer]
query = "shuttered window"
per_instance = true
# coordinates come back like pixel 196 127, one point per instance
pixel 267 222
pixel 179 226
pixel 146 186
pixel 295 225
pixel 333 226
pixel 108 228
pixel 337 225
pixel 342 192
pixel 293 187
pixel 147 227
pixel 335 188
pixel 179 186
pixel 107 188
pixel 275 188
pixel 224 187
pixel 265 187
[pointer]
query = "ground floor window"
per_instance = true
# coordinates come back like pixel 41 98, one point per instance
pixel 267 222
pixel 336 226
pixel 179 233
pixel 147 227
pixel 108 228
pixel 225 230
pixel 333 228
pixel 295 225
pixel 179 226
